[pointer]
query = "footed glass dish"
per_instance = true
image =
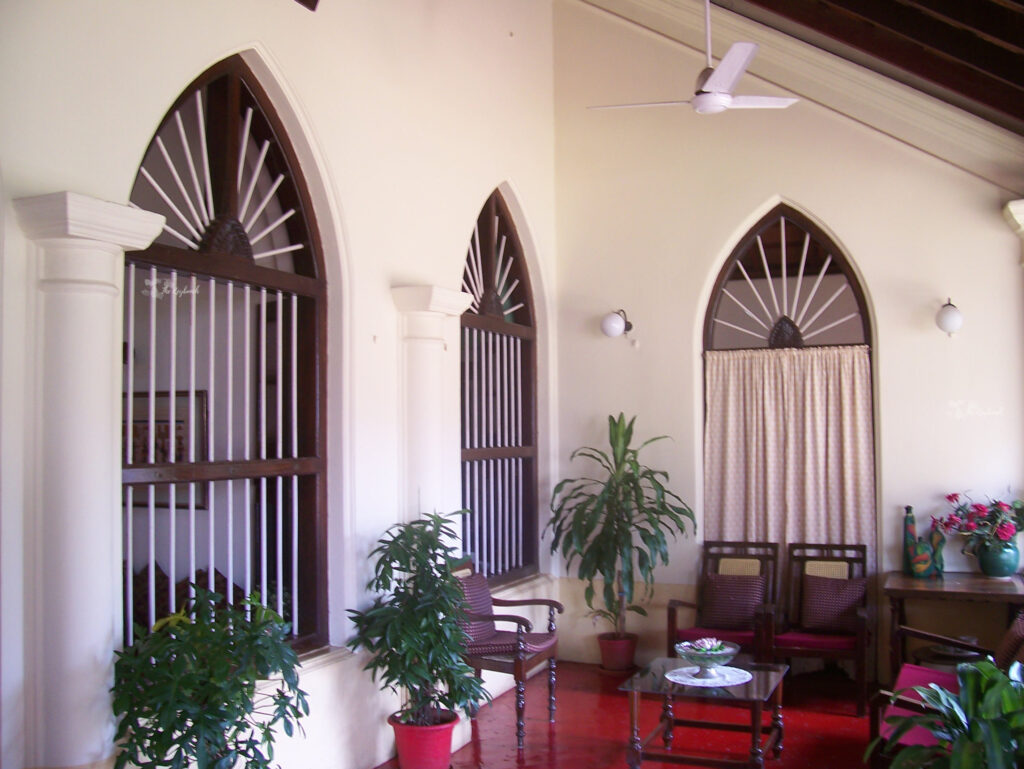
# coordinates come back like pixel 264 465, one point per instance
pixel 707 654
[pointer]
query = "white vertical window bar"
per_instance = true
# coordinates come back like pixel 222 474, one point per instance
pixel 212 420
pixel 503 378
pixel 492 518
pixel 247 429
pixel 518 382
pixel 229 448
pixel 263 442
pixel 172 391
pixel 475 361
pixel 279 418
pixel 502 492
pixel 464 336
pixel 151 448
pixel 193 311
pixel 295 453
pixel 485 395
pixel 478 518
pixel 519 506
pixel 129 420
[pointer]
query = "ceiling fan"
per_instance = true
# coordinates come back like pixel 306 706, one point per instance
pixel 714 90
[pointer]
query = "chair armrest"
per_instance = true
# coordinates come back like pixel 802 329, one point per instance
pixel 904 631
pixel 522 622
pixel 674 604
pixel 677 604
pixel 551 604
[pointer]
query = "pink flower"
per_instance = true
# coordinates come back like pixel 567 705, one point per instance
pixel 953 498
pixel 1003 507
pixel 970 526
pixel 954 521
pixel 979 509
pixel 1005 531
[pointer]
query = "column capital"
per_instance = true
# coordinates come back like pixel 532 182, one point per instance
pixel 1014 213
pixel 443 301
pixel 69 215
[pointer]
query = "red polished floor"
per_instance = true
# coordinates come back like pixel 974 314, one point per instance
pixel 592 726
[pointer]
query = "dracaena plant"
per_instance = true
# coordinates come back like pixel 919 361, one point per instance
pixel 981 727
pixel 207 688
pixel 412 628
pixel 615 526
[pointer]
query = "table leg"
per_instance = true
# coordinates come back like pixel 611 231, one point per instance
pixel 634 753
pixel 897 617
pixel 777 720
pixel 756 753
pixel 668 719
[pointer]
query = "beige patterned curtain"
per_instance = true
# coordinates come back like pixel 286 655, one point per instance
pixel 788 446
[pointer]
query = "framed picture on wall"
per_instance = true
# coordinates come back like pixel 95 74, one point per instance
pixel 162 432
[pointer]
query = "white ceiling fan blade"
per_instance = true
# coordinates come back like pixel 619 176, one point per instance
pixel 731 68
pixel 761 102
pixel 641 104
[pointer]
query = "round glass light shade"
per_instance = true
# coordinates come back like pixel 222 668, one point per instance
pixel 613 324
pixel 949 318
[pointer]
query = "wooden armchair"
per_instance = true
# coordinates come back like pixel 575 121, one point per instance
pixel 826 614
pixel 738 583
pixel 897 702
pixel 515 652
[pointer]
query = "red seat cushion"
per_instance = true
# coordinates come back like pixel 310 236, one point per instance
pixel 797 639
pixel 504 642
pixel 916 675
pixel 730 600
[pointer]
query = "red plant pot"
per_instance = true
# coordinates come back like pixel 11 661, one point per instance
pixel 617 651
pixel 424 747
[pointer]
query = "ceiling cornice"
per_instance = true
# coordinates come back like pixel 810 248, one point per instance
pixel 946 132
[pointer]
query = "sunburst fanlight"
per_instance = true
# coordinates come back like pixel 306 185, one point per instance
pixel 493 294
pixel 180 185
pixel 780 307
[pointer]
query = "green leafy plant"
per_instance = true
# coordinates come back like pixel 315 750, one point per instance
pixel 616 525
pixel 413 628
pixel 187 693
pixel 981 727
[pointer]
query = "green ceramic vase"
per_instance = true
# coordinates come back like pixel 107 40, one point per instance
pixel 998 559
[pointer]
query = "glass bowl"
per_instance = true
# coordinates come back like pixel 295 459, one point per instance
pixel 706 661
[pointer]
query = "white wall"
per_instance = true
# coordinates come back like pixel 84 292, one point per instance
pixel 406 117
pixel 650 204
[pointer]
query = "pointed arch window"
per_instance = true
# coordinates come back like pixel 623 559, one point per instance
pixel 499 468
pixel 223 387
pixel 789 420
pixel 786 285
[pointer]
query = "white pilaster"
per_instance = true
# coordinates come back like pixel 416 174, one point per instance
pixel 430 395
pixel 73 573
pixel 1014 213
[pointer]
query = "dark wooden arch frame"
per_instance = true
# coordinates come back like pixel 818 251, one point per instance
pixel 233 83
pixel 768 221
pixel 496 207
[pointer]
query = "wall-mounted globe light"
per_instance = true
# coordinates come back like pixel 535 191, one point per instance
pixel 616 324
pixel 949 318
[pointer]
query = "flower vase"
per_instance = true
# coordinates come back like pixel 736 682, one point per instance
pixel 998 559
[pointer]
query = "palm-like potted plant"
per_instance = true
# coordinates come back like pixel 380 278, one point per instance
pixel 188 692
pixel 413 631
pixel 616 526
pixel 981 726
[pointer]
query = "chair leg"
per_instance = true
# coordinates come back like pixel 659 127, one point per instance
pixel 862 687
pixel 520 711
pixel 474 708
pixel 552 675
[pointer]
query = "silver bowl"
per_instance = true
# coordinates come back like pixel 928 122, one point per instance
pixel 707 661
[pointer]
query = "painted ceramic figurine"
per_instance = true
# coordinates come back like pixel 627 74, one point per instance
pixel 921 557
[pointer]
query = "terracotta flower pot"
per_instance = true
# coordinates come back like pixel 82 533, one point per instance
pixel 617 651
pixel 424 747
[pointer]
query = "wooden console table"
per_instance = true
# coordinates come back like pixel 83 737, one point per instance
pixel 952 586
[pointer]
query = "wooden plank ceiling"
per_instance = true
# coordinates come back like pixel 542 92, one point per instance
pixel 969 53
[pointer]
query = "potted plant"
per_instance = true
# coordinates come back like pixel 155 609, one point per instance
pixel 981 726
pixel 187 693
pixel 413 632
pixel 990 532
pixel 616 525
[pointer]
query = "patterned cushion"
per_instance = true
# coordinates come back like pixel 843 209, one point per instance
pixel 478 601
pixel 731 600
pixel 830 605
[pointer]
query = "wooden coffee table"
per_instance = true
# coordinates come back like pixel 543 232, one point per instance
pixel 764 688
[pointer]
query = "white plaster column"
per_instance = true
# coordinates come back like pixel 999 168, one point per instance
pixel 1014 213
pixel 430 396
pixel 74 567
